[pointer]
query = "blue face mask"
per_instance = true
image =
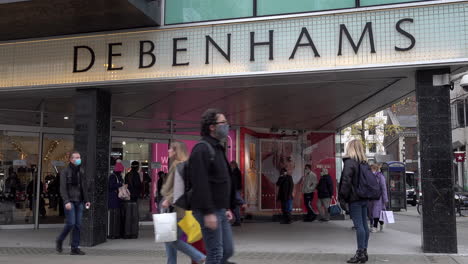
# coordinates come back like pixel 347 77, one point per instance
pixel 78 162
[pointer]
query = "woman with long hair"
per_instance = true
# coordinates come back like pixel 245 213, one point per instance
pixel 355 155
pixel 377 206
pixel 177 154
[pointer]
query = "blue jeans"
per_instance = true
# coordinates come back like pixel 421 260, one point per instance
pixel 239 203
pixel 218 242
pixel 358 212
pixel 287 206
pixel 73 221
pixel 187 249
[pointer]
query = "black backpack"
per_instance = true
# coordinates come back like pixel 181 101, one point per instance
pixel 185 201
pixel 368 186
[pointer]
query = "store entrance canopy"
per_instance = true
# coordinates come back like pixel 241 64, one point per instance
pixel 323 102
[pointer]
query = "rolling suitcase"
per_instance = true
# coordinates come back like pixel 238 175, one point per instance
pixel 115 224
pixel 131 220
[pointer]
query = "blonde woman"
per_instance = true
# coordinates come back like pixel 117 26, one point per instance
pixel 355 155
pixel 177 154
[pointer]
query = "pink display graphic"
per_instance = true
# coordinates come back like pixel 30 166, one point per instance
pixel 160 154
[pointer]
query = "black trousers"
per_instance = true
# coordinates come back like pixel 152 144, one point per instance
pixel 308 198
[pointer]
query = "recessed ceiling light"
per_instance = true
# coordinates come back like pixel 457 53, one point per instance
pixel 66 117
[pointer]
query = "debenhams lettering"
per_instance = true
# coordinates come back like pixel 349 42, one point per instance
pixel 147 57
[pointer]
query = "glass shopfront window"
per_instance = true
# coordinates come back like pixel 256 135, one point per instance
pixel 56 150
pixel 186 11
pixel 129 150
pixel 383 2
pixel 274 7
pixel 19 156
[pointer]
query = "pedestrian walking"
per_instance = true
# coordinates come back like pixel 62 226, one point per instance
pixel 377 206
pixel 177 154
pixel 354 156
pixel 285 185
pixel 308 188
pixel 237 181
pixel 325 193
pixel 73 188
pixel 213 193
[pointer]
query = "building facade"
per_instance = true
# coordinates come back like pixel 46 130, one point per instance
pixel 122 78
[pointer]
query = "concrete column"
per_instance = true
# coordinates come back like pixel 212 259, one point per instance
pixel 439 227
pixel 92 140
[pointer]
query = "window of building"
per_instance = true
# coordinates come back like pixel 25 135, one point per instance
pixel 383 2
pixel 461 113
pixel 415 151
pixel 273 7
pixel 372 130
pixel 458 113
pixel 372 147
pixel 340 147
pixel 186 11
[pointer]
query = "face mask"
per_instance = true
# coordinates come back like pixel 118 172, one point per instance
pixel 78 162
pixel 222 131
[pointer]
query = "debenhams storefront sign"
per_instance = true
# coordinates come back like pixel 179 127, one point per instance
pixel 421 35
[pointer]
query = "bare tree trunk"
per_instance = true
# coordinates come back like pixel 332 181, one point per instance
pixel 363 132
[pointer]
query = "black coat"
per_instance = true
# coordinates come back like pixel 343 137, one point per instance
pixel 349 179
pixel 115 182
pixel 71 192
pixel 134 184
pixel 286 187
pixel 211 180
pixel 325 187
pixel 237 179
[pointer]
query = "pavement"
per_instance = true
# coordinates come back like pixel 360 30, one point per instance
pixel 332 242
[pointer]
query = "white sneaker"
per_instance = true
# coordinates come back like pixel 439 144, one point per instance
pixel 373 230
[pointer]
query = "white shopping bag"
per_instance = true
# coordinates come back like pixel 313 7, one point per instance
pixel 165 227
pixel 387 217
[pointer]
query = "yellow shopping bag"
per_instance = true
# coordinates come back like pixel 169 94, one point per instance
pixel 191 227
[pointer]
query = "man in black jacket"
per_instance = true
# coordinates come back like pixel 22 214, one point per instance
pixel 285 185
pixel 134 181
pixel 213 191
pixel 73 189
pixel 325 193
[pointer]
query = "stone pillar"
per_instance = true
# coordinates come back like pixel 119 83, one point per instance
pixel 92 140
pixel 439 227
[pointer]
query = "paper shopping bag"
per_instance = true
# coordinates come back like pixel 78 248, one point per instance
pixel 165 227
pixel 387 217
pixel 191 227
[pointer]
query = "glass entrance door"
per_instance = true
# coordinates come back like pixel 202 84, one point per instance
pixel 143 151
pixel 56 149
pixel 19 154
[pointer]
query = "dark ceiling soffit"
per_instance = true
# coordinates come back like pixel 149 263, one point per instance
pixel 359 103
pixel 151 8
